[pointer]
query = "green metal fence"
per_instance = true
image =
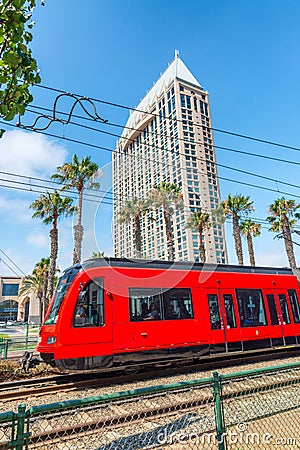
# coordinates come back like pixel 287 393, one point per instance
pixel 258 409
pixel 18 338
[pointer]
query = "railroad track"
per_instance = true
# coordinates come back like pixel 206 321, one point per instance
pixel 126 415
pixel 22 389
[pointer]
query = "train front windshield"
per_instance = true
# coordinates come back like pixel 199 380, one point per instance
pixel 63 285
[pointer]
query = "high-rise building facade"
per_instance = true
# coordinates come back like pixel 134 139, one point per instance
pixel 168 137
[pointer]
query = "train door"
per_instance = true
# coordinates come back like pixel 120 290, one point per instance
pixel 231 329
pixel 224 333
pixel 217 330
pixel 276 327
pixel 294 301
pixel 255 332
pixel 285 322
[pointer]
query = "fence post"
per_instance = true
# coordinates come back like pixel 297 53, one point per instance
pixel 5 349
pixel 27 335
pixel 19 442
pixel 220 426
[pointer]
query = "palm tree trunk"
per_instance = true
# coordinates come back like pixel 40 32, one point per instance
pixel 170 243
pixel 250 249
pixel 45 300
pixel 78 236
pixel 42 308
pixel 201 249
pixel 78 232
pixel 287 237
pixel 53 259
pixel 237 239
pixel 137 232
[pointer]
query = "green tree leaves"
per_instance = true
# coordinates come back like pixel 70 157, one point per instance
pixel 18 68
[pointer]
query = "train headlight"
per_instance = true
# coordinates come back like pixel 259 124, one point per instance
pixel 51 339
pixel 39 339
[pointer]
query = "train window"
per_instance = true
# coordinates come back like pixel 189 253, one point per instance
pixel 89 311
pixel 251 307
pixel 63 285
pixel 284 308
pixel 295 305
pixel 229 310
pixel 177 304
pixel 272 309
pixel 144 304
pixel 214 311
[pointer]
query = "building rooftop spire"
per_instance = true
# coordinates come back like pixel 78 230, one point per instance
pixel 177 69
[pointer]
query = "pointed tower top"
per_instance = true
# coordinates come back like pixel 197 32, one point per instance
pixel 177 69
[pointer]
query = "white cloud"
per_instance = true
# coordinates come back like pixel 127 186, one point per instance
pixel 30 154
pixel 272 258
pixel 16 210
pixel 38 240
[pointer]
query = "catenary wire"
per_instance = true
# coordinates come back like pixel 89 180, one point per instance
pixel 45 191
pixel 274 180
pixel 187 208
pixel 285 161
pixel 2 251
pixel 218 130
pixel 111 151
pixel 89 193
pixel 10 268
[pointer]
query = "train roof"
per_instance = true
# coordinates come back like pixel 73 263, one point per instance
pixel 183 265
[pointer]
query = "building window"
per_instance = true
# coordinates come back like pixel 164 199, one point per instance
pixel 8 310
pixel 10 289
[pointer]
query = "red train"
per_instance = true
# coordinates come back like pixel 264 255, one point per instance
pixel 112 313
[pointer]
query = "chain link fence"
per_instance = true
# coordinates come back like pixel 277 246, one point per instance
pixel 258 409
pixel 157 418
pixel 262 409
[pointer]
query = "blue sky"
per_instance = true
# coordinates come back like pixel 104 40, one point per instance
pixel 246 54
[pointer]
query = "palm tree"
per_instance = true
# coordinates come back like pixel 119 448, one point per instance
pixel 79 175
pixel 98 255
pixel 33 284
pixel 166 196
pixel 201 222
pixel 135 208
pixel 250 229
pixel 50 207
pixel 283 217
pixel 42 270
pixel 233 206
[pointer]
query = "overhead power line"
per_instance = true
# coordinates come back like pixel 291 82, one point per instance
pixel 186 207
pixel 218 130
pixel 135 156
pixel 6 255
pixel 285 161
pixel 87 191
pixel 10 268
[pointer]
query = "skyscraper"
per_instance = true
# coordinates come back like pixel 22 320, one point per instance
pixel 168 137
